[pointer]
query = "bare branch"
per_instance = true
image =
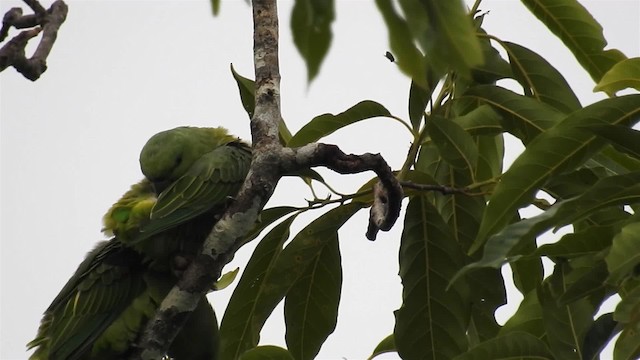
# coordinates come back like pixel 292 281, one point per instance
pixel 46 21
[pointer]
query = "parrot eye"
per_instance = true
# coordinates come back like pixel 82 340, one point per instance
pixel 178 160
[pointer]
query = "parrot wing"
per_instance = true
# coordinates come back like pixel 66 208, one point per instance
pixel 104 284
pixel 210 182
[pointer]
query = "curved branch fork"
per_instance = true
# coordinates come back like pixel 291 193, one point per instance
pixel 42 20
pixel 387 192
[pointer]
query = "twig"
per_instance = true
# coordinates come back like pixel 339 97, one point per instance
pixel 46 21
pixel 445 190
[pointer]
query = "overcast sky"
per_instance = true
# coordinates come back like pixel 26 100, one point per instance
pixel 122 71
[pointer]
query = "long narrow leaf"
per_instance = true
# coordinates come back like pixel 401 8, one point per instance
pixel 432 321
pixel 326 124
pixel 558 149
pixel 579 31
pixel 311 305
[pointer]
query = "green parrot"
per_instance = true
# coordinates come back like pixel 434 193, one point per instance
pixel 158 225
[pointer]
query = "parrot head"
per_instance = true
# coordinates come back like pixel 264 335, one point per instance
pixel 168 155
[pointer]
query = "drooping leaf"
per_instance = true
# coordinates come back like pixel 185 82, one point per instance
pixel 311 28
pixel 491 153
pixel 600 333
pixel 215 7
pixel 387 345
pixel 624 256
pixel 245 314
pixel 523 117
pixel 456 145
pixel 558 149
pixel 450 38
pixel 527 270
pixel 408 58
pixel 513 345
pixel 565 325
pixel 311 305
pixel 418 99
pixel 267 352
pixel 326 124
pixel 623 75
pixel 541 80
pixel 579 31
pixel 432 321
pixel 487 293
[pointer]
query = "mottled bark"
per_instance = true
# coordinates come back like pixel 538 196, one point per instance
pixel 42 21
pixel 270 161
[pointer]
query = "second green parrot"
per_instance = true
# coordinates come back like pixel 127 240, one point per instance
pixel 191 174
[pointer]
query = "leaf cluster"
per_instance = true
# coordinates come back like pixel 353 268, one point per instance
pixel 580 166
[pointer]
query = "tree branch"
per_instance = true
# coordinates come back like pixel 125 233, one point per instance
pixel 270 162
pixel 46 21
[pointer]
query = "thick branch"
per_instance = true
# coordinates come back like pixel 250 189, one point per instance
pixel 270 161
pixel 46 21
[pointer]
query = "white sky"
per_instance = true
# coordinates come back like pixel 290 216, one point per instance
pixel 122 71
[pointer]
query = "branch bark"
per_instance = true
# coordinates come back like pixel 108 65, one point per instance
pixel 43 21
pixel 270 161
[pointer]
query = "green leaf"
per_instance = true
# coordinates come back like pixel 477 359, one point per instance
pixel 601 332
pixel 387 345
pixel 267 352
pixel 432 321
pixel 268 217
pixel 408 58
pixel 579 31
pixel 311 28
pixel 565 325
pixel 246 313
pixel 523 117
pixel 527 270
pixel 215 7
pixel 514 345
pixel 456 145
pixel 628 309
pixel 418 99
pixel 450 38
pixel 326 124
pixel 585 242
pixel 226 279
pixel 528 317
pixel 558 149
pixel 540 80
pixel 591 281
pixel 625 253
pixel 494 66
pixel 311 305
pixel 628 344
pixel 624 138
pixel 247 97
pixel 487 293
pixel 623 75
pixel 247 92
pixel 490 157
pixel 482 120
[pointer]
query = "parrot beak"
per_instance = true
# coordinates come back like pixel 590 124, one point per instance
pixel 160 186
